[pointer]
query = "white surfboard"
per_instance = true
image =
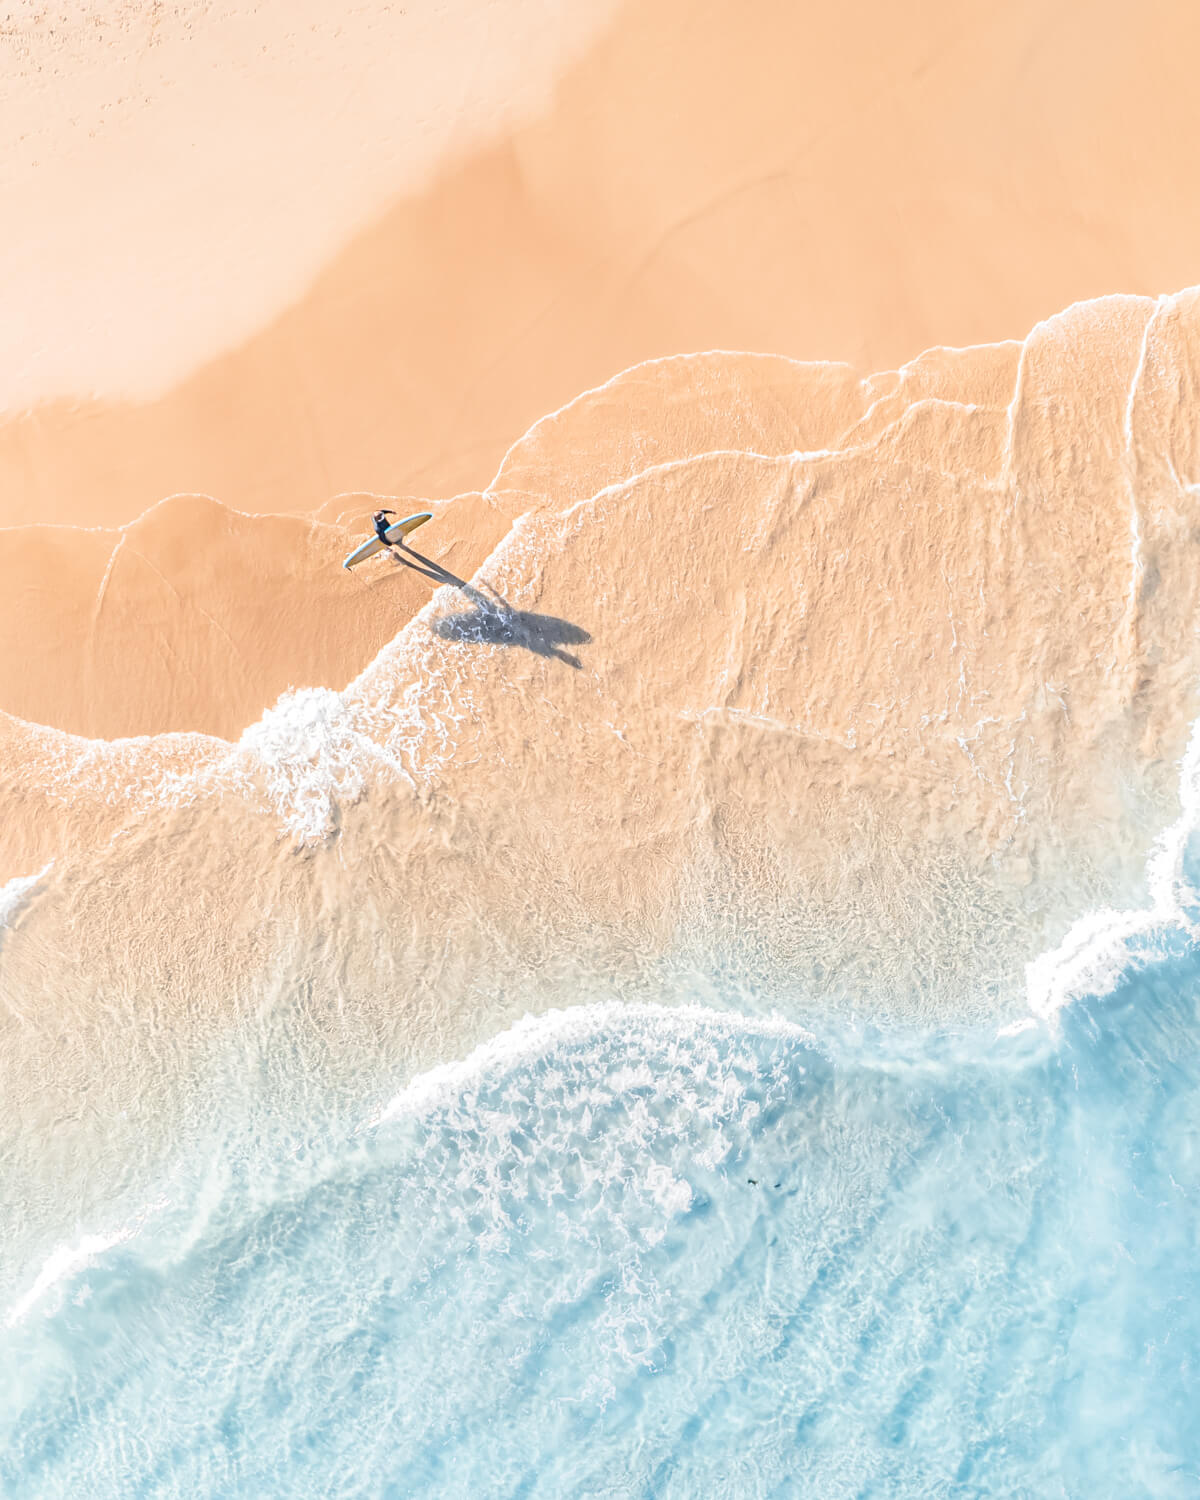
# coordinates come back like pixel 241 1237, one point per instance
pixel 394 533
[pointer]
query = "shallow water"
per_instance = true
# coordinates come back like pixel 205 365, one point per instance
pixel 663 1252
pixel 796 1181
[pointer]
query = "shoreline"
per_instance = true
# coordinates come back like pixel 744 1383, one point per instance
pixel 825 677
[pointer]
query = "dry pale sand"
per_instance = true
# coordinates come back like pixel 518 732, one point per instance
pixel 778 688
pixel 782 690
pixel 757 682
pixel 746 623
pixel 844 183
pixel 832 674
pixel 854 182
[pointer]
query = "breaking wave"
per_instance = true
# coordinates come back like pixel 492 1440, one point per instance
pixel 730 819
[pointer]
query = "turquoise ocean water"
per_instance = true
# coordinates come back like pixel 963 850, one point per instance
pixel 670 1252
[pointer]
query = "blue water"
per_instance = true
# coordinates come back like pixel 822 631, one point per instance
pixel 645 1253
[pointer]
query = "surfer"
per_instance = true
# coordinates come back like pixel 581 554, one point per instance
pixel 385 536
pixel 381 525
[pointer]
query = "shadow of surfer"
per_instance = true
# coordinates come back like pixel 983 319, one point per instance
pixel 493 621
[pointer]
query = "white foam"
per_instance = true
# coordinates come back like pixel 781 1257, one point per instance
pixel 535 1037
pixel 65 1260
pixel 1098 947
pixel 312 752
pixel 16 894
pixel 60 1263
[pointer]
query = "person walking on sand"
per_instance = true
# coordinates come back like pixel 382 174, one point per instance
pixel 391 537
pixel 381 526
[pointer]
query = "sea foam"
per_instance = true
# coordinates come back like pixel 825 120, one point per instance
pixel 828 750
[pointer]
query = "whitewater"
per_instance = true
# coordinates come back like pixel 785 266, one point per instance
pixel 666 1252
pixel 709 1008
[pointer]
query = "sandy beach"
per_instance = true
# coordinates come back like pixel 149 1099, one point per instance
pixel 862 547
pixel 659 179
pixel 686 981
pixel 271 314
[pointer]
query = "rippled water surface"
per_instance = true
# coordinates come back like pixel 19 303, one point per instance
pixel 665 1253
pixel 775 695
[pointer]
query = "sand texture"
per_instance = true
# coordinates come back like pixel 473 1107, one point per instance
pixel 753 656
pixel 386 254
pixel 700 685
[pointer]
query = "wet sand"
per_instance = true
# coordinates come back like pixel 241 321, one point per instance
pixel 855 184
pixel 749 672
pixel 196 616
pixel 920 655
pixel 752 681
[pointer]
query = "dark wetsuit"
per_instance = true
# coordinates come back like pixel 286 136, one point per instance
pixel 381 525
